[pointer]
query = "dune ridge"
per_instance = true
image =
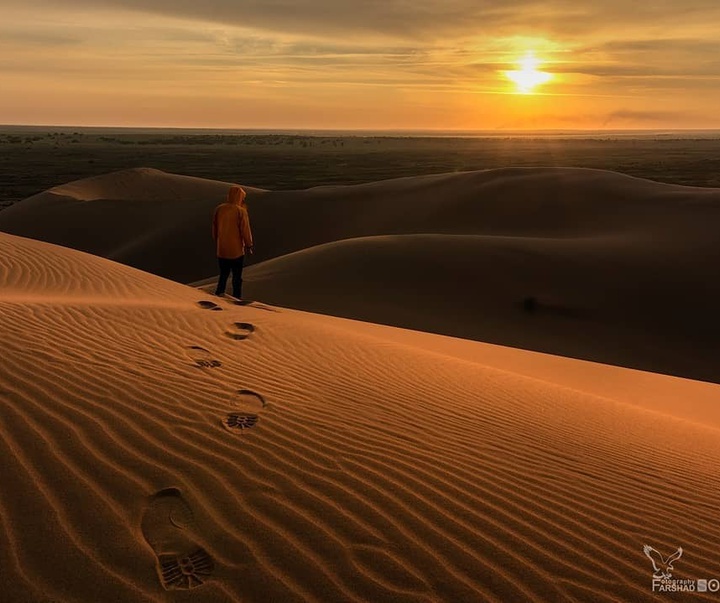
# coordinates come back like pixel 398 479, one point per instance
pixel 140 216
pixel 542 202
pixel 574 262
pixel 404 474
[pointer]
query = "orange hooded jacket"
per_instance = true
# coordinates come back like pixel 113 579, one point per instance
pixel 231 226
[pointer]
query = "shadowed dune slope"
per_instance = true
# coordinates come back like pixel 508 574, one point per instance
pixel 156 448
pixel 153 213
pixel 612 299
pixel 611 268
pixel 142 217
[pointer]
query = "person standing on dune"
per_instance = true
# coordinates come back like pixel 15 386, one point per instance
pixel 233 238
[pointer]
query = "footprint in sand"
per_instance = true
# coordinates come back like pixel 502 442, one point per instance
pixel 246 405
pixel 202 357
pixel 206 304
pixel 240 330
pixel 167 528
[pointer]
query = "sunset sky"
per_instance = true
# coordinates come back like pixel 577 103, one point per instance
pixel 365 64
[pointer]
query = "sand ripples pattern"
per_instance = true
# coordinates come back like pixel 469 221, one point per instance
pixel 374 472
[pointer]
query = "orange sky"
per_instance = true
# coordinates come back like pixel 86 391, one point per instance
pixel 376 64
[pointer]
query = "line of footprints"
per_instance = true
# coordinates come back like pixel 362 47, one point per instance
pixel 247 403
pixel 167 522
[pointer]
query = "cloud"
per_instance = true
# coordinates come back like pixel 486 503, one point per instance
pixel 641 116
pixel 646 70
pixel 661 57
pixel 35 37
pixel 672 46
pixel 411 19
pixel 620 119
pixel 418 19
pixel 320 17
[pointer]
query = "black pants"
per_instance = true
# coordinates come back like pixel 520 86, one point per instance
pixel 226 267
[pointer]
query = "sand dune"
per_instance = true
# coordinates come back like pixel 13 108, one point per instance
pixel 614 269
pixel 608 299
pixel 158 448
pixel 141 217
pixel 148 208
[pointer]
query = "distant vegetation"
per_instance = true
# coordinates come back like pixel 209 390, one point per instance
pixel 33 160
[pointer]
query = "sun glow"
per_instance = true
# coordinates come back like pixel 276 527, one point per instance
pixel 528 77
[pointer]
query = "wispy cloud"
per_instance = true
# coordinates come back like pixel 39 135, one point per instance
pixel 33 37
pixel 428 19
pixel 643 116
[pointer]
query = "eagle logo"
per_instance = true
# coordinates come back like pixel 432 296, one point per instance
pixel 663 567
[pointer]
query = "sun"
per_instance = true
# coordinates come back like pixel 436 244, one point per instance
pixel 528 77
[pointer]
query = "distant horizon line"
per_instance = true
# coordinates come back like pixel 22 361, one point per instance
pixel 374 131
